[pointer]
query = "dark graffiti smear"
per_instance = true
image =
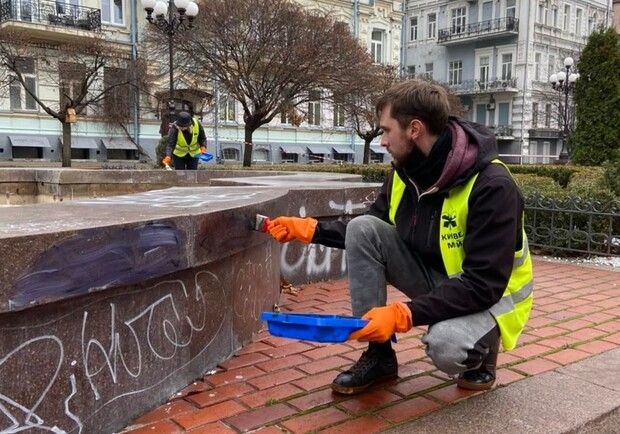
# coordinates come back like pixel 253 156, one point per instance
pixel 83 263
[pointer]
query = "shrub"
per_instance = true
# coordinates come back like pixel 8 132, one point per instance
pixel 160 151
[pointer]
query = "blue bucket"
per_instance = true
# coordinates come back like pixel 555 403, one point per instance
pixel 204 158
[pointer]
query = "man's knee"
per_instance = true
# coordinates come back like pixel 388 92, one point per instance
pixel 361 228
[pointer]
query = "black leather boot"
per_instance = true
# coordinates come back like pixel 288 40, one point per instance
pixel 377 363
pixel 482 378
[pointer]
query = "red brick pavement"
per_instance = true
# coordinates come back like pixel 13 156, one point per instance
pixel 276 385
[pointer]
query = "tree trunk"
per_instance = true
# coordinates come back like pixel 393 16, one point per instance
pixel 247 149
pixel 65 154
pixel 367 141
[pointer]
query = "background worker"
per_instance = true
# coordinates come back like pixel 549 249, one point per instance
pixel 447 230
pixel 186 139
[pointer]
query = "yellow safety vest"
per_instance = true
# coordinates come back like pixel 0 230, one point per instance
pixel 182 148
pixel 513 309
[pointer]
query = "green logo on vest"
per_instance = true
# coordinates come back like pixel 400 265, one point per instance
pixel 449 221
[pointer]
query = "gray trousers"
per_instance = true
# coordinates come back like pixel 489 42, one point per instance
pixel 377 255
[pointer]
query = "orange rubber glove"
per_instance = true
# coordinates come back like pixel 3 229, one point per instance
pixel 166 161
pixel 285 229
pixel 203 149
pixel 384 321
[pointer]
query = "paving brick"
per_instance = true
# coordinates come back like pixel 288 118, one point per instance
pixel 213 428
pixel 287 350
pixel 165 411
pixel 324 364
pixel 585 309
pixel 451 393
pixel 315 381
pixel 315 399
pixel 574 324
pixel 268 430
pixel 368 401
pixel 558 342
pixel 254 347
pixel 275 378
pixel 354 356
pixel 327 351
pixel 272 365
pixel 220 394
pixel 207 415
pixel 598 317
pixel 529 350
pixel 416 385
pixel 415 368
pixel 611 326
pixel 567 356
pixel 259 417
pixel 536 366
pixel 233 375
pixel 587 334
pixel 276 341
pixel 277 393
pixel 411 355
pixel 409 409
pixel 547 331
pixel 162 427
pixel 506 359
pixel 506 376
pixel 615 338
pixel 314 421
pixel 362 425
pixel 596 347
pixel 244 360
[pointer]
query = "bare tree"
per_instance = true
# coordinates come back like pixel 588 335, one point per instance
pixel 271 56
pixel 360 103
pixel 90 74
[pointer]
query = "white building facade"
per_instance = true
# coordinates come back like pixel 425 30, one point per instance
pixel 497 55
pixel 27 132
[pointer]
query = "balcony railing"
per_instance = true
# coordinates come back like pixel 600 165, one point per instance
pixel 56 13
pixel 502 130
pixel 485 86
pixel 498 25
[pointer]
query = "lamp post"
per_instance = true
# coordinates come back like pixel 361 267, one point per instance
pixel 171 21
pixel 564 83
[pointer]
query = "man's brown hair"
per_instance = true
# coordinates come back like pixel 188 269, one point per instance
pixel 417 99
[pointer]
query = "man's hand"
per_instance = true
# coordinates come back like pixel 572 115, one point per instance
pixel 384 321
pixel 285 229
pixel 203 149
pixel 166 161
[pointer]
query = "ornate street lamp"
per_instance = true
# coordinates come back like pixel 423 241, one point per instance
pixel 564 83
pixel 171 18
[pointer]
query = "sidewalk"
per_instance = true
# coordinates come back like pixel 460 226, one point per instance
pixel 276 385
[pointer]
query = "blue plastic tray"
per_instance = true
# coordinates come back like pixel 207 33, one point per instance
pixel 203 158
pixel 312 326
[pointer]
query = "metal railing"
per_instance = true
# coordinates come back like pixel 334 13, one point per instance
pixel 501 130
pixel 485 86
pixel 56 13
pixel 573 225
pixel 497 25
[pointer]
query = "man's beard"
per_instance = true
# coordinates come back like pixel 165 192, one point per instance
pixel 412 154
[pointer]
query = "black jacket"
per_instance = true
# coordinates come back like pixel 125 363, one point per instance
pixel 173 134
pixel 493 230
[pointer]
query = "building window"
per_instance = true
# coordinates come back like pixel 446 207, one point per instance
pixel 20 99
pixel 112 11
pixel 537 57
pixel 227 109
pixel 541 13
pixel 511 8
pixel 314 108
pixel 551 67
pixel 230 154
pixel 411 71
pixel 455 72
pixel 414 29
pixel 481 114
pixel 116 100
pixel 534 114
pixel 431 26
pixel 578 21
pixel 566 25
pixel 428 70
pixel 503 114
pixel 554 13
pixel 507 66
pixel 484 71
pixel 376 46
pixel 459 20
pixel 548 115
pixel 339 115
pixel 592 22
pixel 260 155
pixel 289 157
